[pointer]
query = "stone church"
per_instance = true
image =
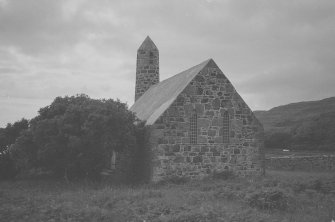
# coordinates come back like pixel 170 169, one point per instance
pixel 198 123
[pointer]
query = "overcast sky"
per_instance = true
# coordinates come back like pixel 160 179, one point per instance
pixel 274 52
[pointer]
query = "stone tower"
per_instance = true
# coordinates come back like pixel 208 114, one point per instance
pixel 147 67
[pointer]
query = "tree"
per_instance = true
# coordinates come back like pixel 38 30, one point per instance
pixel 8 136
pixel 10 133
pixel 72 136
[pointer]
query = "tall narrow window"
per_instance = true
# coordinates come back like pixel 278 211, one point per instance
pixel 113 160
pixel 226 126
pixel 193 127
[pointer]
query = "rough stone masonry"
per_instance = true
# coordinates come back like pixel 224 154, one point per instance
pixel 199 124
pixel 147 67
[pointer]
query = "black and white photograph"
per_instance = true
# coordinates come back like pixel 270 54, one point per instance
pixel 167 111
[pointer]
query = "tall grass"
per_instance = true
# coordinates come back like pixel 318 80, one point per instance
pixel 279 196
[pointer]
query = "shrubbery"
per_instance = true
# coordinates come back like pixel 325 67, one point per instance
pixel 74 136
pixel 7 167
pixel 8 136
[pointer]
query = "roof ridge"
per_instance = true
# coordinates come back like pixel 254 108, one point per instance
pixel 204 63
pixel 159 97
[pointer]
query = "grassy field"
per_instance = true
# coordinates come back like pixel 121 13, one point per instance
pixel 279 196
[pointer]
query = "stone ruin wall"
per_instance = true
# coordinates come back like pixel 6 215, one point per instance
pixel 302 163
pixel 210 93
pixel 147 71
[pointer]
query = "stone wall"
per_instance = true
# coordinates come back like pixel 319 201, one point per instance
pixel 210 94
pixel 301 163
pixel 147 70
pixel 197 161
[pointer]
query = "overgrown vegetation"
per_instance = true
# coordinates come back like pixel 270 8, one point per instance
pixel 300 126
pixel 8 136
pixel 275 197
pixel 73 138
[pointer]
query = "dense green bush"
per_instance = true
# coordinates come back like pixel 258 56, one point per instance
pixel 142 156
pixel 7 167
pixel 8 136
pixel 10 133
pixel 74 135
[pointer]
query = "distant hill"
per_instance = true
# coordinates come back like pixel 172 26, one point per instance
pixel 303 125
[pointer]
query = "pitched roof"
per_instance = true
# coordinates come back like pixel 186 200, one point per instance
pixel 158 98
pixel 148 44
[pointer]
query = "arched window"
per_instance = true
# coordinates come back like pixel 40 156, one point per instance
pixel 226 127
pixel 193 127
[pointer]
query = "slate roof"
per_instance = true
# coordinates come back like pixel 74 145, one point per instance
pixel 158 98
pixel 148 44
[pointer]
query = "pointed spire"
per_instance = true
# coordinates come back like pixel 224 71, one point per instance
pixel 148 44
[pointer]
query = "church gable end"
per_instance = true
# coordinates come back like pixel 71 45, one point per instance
pixel 224 136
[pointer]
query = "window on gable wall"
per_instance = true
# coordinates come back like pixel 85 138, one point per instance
pixel 226 127
pixel 113 160
pixel 193 127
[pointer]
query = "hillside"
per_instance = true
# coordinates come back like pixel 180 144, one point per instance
pixel 307 125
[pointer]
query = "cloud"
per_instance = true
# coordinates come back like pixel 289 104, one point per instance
pixel 275 52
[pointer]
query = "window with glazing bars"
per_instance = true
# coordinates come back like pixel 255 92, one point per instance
pixel 226 126
pixel 193 127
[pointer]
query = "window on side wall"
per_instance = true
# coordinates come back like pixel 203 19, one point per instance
pixel 225 127
pixel 193 127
